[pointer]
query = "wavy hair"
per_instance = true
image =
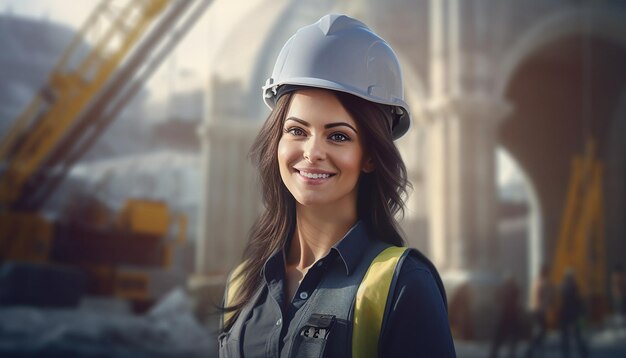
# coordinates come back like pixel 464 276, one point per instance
pixel 380 200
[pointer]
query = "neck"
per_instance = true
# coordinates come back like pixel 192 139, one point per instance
pixel 317 230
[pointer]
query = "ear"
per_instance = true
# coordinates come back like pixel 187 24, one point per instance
pixel 368 165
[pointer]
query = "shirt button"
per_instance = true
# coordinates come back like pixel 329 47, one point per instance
pixel 280 320
pixel 304 295
pixel 319 264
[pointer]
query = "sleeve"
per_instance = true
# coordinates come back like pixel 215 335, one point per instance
pixel 417 325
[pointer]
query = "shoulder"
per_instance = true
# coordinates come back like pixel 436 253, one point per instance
pixel 413 267
pixel 416 261
pixel 417 275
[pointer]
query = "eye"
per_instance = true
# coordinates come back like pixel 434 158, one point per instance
pixel 295 131
pixel 339 137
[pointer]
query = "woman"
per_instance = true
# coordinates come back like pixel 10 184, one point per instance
pixel 333 182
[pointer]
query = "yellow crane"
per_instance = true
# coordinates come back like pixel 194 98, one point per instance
pixel 118 48
pixel 581 243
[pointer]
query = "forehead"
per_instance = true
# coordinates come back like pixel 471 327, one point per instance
pixel 318 106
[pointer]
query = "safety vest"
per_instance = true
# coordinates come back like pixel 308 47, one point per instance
pixel 370 302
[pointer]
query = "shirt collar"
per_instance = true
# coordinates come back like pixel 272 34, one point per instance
pixel 350 249
pixel 352 246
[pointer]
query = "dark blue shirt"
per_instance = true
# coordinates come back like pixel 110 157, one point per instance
pixel 417 325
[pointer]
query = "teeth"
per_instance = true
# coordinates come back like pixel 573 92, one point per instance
pixel 314 176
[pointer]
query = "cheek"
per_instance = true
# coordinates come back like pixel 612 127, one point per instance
pixel 350 161
pixel 286 155
pixel 282 152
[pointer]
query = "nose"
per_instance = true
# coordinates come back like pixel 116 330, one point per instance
pixel 313 150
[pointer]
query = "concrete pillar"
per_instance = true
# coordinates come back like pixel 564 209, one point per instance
pixel 461 169
pixel 464 115
pixel 230 199
pixel 229 205
pixel 229 196
pixel 461 178
pixel 203 248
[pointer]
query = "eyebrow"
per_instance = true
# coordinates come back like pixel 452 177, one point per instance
pixel 326 126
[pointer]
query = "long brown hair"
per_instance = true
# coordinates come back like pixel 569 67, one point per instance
pixel 380 200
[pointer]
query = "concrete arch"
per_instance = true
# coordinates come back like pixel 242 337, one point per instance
pixel 607 31
pixel 536 251
pixel 232 91
pixel 598 22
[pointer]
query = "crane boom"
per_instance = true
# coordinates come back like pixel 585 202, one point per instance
pixel 85 92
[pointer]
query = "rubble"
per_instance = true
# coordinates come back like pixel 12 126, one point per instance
pixel 168 330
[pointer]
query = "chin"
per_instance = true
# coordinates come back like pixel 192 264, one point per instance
pixel 310 200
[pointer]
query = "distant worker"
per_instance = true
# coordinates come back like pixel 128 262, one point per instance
pixel 508 320
pixel 541 299
pixel 618 296
pixel 570 313
pixel 324 272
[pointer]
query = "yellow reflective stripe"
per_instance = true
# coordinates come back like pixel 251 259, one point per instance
pixel 371 299
pixel 233 284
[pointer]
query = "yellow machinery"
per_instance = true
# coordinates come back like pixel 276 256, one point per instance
pixel 137 217
pixel 150 218
pixel 581 245
pixel 139 235
pixel 107 62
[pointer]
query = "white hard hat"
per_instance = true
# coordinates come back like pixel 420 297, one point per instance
pixel 342 54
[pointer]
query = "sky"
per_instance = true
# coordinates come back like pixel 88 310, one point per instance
pixel 186 68
pixel 69 12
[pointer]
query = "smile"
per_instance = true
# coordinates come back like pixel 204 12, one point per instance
pixel 315 175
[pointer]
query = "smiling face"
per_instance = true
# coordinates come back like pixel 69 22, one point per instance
pixel 320 154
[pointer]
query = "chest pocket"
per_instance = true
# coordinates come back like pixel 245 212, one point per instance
pixel 313 337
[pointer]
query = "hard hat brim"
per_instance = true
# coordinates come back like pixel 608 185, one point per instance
pixel 271 95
